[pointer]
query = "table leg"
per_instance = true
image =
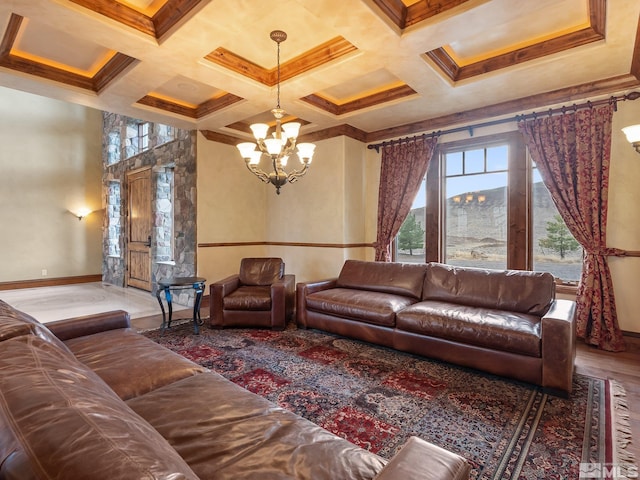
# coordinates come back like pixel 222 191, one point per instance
pixel 199 288
pixel 158 293
pixel 167 294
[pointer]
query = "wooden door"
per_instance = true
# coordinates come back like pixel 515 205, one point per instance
pixel 139 229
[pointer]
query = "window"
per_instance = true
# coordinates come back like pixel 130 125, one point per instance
pixel 113 147
pixel 165 133
pixel 164 208
pixel 554 248
pixel 137 138
pixel 114 231
pixel 475 206
pixel 483 204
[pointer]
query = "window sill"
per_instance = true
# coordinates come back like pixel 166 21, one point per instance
pixel 566 288
pixel 166 262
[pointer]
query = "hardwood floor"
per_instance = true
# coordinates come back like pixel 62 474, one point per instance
pixel 623 367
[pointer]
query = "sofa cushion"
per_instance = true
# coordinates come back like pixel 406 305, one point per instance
pixel 483 327
pixel 226 432
pixel 404 279
pixel 261 271
pixel 67 423
pixel 248 298
pixel 144 367
pixel 512 290
pixel 363 305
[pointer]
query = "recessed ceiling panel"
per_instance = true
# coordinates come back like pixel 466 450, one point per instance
pixel 250 39
pixel 518 42
pixel 50 46
pixel 510 31
pixel 360 87
pixel 187 92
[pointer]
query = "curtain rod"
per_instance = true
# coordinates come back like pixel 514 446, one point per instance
pixel 552 111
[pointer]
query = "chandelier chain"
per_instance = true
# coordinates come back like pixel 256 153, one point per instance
pixel 278 100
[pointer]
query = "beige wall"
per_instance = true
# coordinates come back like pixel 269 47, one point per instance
pixel 50 163
pixel 325 208
pixel 623 225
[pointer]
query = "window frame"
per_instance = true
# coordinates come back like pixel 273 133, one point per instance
pixel 519 234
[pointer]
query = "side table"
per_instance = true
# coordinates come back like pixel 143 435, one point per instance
pixel 181 283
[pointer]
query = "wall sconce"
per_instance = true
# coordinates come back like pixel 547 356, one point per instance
pixel 632 133
pixel 82 212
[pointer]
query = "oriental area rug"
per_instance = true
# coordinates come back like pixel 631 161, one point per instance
pixel 377 398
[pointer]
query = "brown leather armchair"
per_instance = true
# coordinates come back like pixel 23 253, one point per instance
pixel 261 295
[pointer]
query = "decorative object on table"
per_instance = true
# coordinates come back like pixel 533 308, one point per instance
pixel 280 146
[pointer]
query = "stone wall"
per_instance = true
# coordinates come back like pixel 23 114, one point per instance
pixel 173 162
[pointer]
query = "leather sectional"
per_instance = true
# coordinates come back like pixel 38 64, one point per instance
pixel 505 322
pixel 89 398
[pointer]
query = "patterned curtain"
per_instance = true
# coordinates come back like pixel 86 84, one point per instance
pixel 572 152
pixel 404 165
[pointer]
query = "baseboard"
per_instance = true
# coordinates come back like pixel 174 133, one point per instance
pixel 50 282
pixel 627 333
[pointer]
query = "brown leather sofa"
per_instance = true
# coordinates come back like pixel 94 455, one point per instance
pixel 260 295
pixel 507 323
pixel 89 398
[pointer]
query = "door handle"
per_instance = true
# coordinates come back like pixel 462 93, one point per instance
pixel 148 242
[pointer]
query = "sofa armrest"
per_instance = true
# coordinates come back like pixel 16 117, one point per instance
pixel 304 289
pixel 89 324
pixel 217 291
pixel 312 287
pixel 281 292
pixel 290 295
pixel 559 346
pixel 420 460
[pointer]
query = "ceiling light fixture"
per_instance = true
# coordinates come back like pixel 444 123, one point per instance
pixel 632 133
pixel 280 145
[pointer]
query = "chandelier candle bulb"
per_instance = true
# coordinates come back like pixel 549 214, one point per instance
pixel 274 145
pixel 305 151
pixel 246 149
pixel 259 130
pixel 291 129
pixel 255 157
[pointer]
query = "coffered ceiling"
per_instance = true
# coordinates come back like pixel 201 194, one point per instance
pixel 370 69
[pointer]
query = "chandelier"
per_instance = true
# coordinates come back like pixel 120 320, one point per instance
pixel 280 145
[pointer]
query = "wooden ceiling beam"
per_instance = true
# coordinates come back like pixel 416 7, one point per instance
pixel 320 55
pixel 368 101
pixel 403 16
